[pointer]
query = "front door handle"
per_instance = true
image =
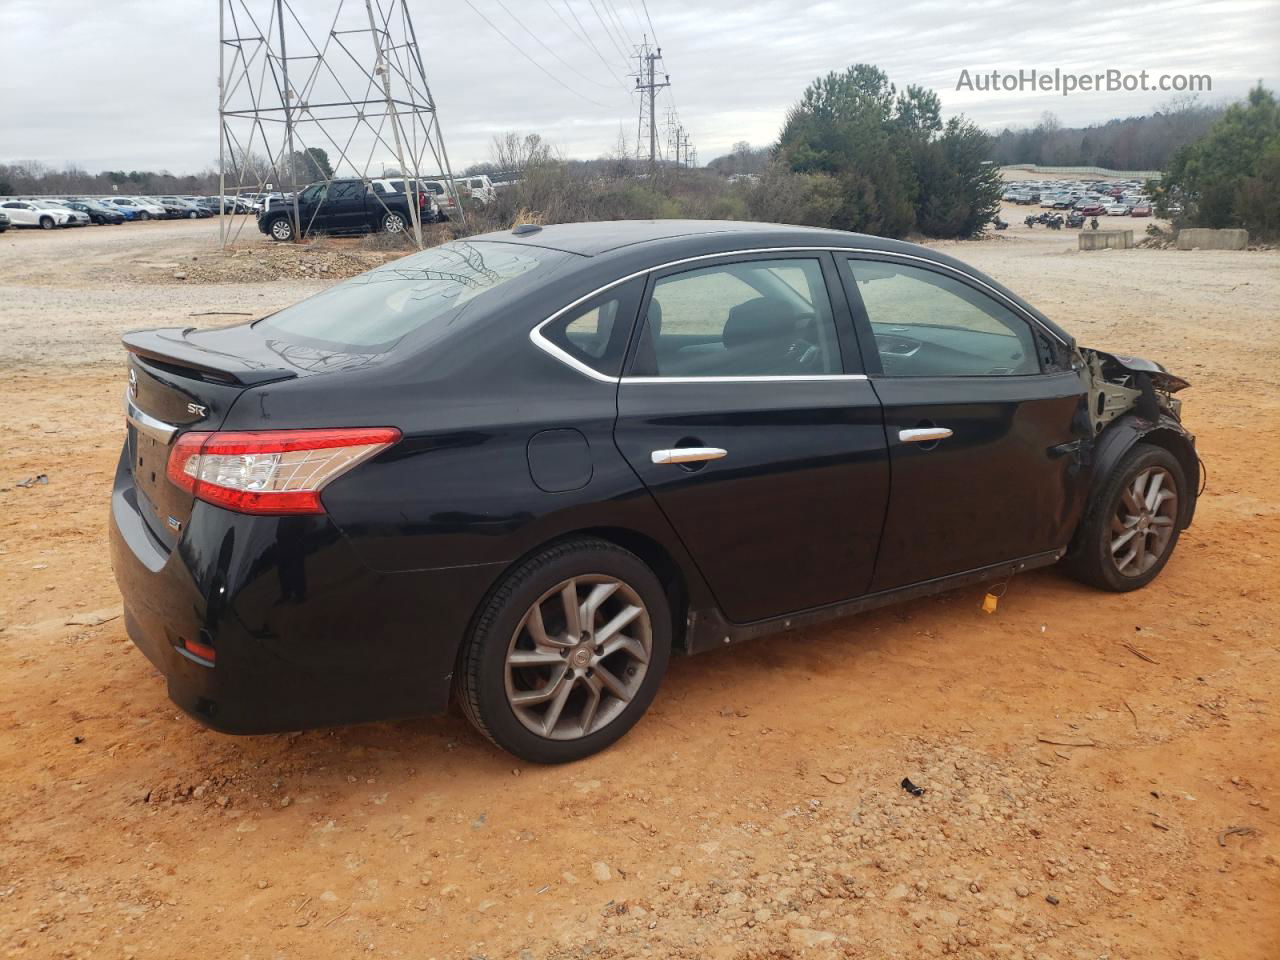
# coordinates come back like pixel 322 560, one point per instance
pixel 924 434
pixel 687 455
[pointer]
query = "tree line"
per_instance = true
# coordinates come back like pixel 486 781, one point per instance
pixel 1133 143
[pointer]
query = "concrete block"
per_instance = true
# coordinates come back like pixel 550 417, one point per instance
pixel 1206 238
pixel 1106 239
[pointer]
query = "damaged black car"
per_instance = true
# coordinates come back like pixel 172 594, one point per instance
pixel 524 469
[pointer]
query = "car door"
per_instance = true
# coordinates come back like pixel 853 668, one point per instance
pixel 983 416
pixel 21 213
pixel 745 412
pixel 344 206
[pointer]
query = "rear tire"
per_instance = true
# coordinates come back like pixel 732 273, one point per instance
pixel 552 690
pixel 281 229
pixel 1130 530
pixel 392 222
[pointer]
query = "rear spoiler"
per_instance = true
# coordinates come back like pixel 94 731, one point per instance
pixel 172 346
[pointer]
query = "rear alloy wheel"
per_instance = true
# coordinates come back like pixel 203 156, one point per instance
pixel 46 223
pixel 1130 531
pixel 568 652
pixel 281 229
pixel 393 223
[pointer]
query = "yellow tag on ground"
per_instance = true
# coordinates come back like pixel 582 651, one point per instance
pixel 989 603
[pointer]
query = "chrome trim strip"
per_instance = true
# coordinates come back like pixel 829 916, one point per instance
pixel 798 378
pixel 544 344
pixel 145 423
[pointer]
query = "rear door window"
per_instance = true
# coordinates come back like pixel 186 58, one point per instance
pixel 756 318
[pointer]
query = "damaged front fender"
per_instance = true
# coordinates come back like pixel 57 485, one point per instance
pixel 1130 401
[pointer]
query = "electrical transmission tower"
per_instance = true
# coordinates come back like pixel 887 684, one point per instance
pixel 648 85
pixel 292 111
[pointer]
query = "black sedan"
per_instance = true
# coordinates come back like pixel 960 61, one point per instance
pixel 528 467
pixel 98 213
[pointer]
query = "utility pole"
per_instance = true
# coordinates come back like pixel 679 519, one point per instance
pixel 648 85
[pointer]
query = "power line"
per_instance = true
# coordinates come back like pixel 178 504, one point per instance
pixel 590 42
pixel 608 30
pixel 541 43
pixel 584 37
pixel 649 20
pixel 519 49
pixel 617 20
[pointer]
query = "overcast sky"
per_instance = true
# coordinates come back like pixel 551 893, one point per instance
pixel 132 83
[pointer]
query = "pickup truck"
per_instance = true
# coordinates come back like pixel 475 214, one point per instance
pixel 339 206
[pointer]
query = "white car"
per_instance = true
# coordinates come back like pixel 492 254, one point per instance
pixel 479 188
pixel 78 219
pixel 1118 208
pixel 36 213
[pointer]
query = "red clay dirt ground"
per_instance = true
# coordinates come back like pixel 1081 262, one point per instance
pixel 756 812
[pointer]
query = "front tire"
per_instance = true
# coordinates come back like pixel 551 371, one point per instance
pixel 567 653
pixel 192 215
pixel 1130 531
pixel 46 223
pixel 144 215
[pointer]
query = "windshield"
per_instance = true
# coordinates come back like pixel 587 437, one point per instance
pixel 372 312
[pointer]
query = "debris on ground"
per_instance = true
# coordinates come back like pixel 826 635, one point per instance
pixel 32 481
pixel 1235 831
pixel 95 617
pixel 911 788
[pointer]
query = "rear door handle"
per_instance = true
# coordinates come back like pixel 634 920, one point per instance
pixel 924 434
pixel 687 454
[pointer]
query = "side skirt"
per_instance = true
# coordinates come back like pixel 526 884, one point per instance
pixel 708 629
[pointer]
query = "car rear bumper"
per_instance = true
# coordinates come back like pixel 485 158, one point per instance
pixel 304 633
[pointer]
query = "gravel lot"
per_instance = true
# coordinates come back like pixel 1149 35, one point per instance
pixel 1084 756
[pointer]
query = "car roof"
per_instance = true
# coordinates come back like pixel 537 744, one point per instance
pixel 613 248
pixel 605 236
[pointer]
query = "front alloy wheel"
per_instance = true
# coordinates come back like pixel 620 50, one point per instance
pixel 567 652
pixel 282 229
pixel 1144 520
pixel 1131 526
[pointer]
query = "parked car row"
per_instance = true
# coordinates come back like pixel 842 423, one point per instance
pixel 437 204
pixel 75 211
pixel 1091 198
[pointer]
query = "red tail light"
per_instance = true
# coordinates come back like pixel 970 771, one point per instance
pixel 271 471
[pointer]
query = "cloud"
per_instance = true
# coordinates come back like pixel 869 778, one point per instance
pixel 133 83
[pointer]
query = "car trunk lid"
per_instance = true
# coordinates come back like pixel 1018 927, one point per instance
pixel 181 380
